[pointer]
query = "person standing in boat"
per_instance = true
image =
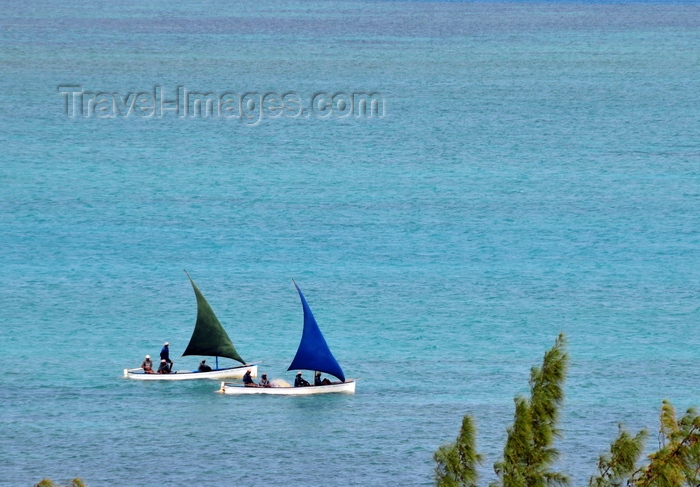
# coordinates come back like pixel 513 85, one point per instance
pixel 147 365
pixel 264 382
pixel 165 355
pixel 248 380
pixel 203 367
pixel 300 381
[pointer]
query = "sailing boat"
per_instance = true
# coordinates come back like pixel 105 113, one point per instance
pixel 209 339
pixel 313 354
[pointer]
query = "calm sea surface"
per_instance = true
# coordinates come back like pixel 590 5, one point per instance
pixel 536 171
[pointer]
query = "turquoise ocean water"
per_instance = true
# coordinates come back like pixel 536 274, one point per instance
pixel 536 171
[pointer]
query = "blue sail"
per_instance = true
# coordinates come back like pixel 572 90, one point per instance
pixel 313 352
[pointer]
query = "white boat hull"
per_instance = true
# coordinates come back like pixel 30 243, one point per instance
pixel 229 373
pixel 347 387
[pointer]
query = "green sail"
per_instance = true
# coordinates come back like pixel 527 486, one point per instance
pixel 209 338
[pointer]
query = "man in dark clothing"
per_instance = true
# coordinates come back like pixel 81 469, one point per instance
pixel 165 355
pixel 164 368
pixel 203 367
pixel 248 380
pixel 319 382
pixel 300 382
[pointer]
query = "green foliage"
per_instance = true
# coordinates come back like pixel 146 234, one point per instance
pixel 517 447
pixel 529 452
pixel 677 462
pixel 76 482
pixel 457 462
pixel 618 465
pixel 547 397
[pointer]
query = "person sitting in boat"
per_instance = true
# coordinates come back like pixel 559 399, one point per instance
pixel 319 382
pixel 300 381
pixel 248 380
pixel 147 365
pixel 164 367
pixel 203 367
pixel 165 355
pixel 264 382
